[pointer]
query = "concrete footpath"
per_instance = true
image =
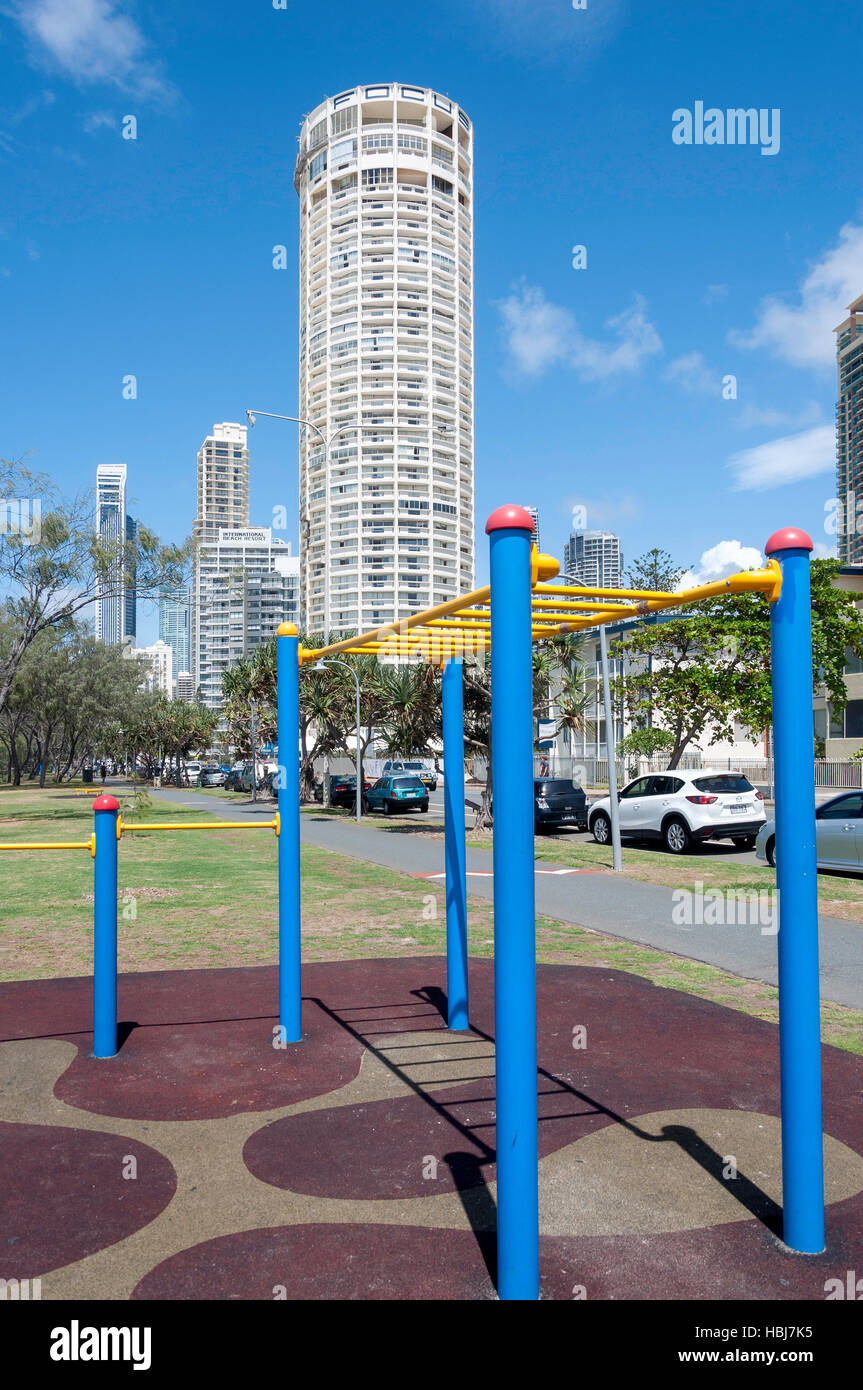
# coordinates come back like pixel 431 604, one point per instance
pixel 618 905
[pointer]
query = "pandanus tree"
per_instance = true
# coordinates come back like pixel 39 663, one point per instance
pixel 560 681
pixel 409 697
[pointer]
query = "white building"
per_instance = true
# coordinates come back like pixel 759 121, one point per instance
pixel 115 606
pixel 223 481
pixel 184 687
pixel 159 668
pixel 246 583
pixel 175 624
pixel 593 558
pixel 534 515
pixel 385 181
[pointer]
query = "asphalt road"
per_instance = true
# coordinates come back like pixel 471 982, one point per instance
pixel 620 906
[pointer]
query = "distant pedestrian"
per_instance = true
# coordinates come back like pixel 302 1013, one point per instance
pixel 543 767
pixel 103 773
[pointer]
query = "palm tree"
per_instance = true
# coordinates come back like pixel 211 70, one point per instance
pixel 560 675
pixel 410 698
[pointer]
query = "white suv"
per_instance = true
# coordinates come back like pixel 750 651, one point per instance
pixel 682 809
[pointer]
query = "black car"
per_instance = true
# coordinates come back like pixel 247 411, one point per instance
pixel 343 790
pixel 558 804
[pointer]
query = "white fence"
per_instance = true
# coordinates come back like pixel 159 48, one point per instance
pixel 593 772
pixel 372 767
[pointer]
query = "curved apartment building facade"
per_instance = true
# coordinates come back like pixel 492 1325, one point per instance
pixel 385 181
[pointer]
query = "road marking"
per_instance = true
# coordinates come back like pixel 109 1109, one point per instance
pixel 489 873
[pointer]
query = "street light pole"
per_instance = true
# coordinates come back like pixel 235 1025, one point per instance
pixel 327 443
pixel 251 415
pixel 359 754
pixel 611 756
pixel 253 710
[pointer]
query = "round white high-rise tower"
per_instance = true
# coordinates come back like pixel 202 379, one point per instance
pixel 385 181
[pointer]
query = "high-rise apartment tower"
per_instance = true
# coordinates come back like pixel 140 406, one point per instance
pixel 223 481
pixel 594 558
pixel 115 605
pixel 849 434
pixel 385 182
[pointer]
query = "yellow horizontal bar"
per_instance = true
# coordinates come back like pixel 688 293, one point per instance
pixel 391 630
pixel 748 581
pixel 203 825
pixel 556 609
pixel 589 591
pixel 54 844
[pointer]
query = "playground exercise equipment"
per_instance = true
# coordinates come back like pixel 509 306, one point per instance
pixel 103 845
pixel 514 610
pixel 519 607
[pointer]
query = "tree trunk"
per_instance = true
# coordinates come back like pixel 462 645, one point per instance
pixel 485 818
pixel 681 743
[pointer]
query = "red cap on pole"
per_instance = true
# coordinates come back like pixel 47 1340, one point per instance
pixel 510 517
pixel 106 803
pixel 789 538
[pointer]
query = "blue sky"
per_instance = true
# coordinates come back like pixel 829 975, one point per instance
pixel 599 387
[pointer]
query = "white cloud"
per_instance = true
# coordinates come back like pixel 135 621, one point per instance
pixel 551 28
pixel 802 333
pixel 692 373
pixel 823 551
pixel 602 512
pixel 714 293
pixel 96 120
pixel 786 460
pixel 753 417
pixel 540 334
pixel 34 104
pixel 90 42
pixel 722 559
pixel 638 341
pixel 68 156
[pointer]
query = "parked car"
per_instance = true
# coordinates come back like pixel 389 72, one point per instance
pixel 232 779
pixel 558 802
pixel 400 793
pixel 343 790
pixel 211 776
pixel 838 834
pixel 191 773
pixel 262 773
pixel 417 768
pixel 682 809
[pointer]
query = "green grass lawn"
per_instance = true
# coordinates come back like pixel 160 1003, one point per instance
pixel 193 900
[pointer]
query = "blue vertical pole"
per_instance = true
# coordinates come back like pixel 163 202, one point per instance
pixel 514 922
pixel 288 677
pixel 796 881
pixel 106 809
pixel 456 886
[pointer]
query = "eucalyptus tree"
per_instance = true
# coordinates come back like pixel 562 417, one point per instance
pixel 52 568
pixel 710 666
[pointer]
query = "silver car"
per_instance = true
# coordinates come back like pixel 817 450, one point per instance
pixel 838 834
